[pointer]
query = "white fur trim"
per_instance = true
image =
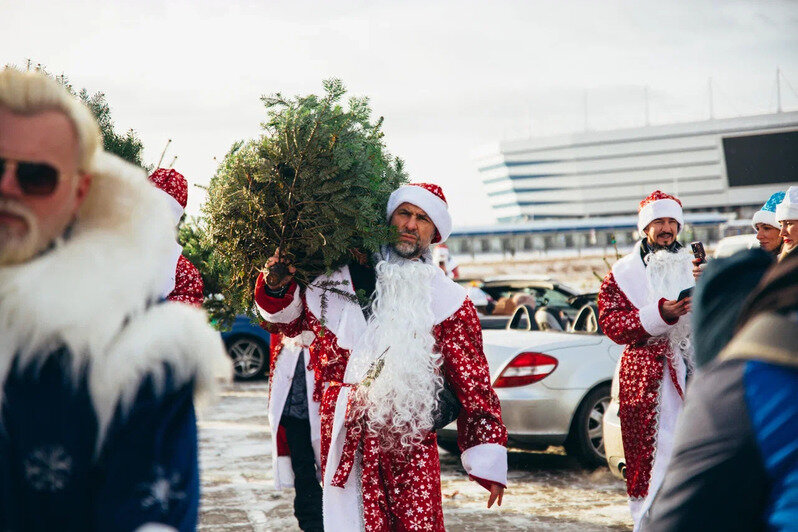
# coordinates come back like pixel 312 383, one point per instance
pixel 651 320
pixel 342 506
pixel 81 294
pixel 343 317
pixel 487 461
pixel 170 270
pixel 280 382
pixel 788 208
pixel 662 208
pixel 669 407
pixel 175 208
pixel 288 314
pixel 630 275
pixel 765 217
pixel 434 206
pixel 156 527
pixel 172 333
pixel 283 473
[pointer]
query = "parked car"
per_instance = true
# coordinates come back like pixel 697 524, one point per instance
pixel 248 346
pixel 613 444
pixel 732 244
pixel 554 389
pixel 548 292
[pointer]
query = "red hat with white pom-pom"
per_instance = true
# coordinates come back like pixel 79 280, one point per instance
pixel 428 197
pixel 659 205
pixel 175 186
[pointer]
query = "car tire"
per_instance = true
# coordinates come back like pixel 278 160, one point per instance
pixel 250 357
pixel 585 441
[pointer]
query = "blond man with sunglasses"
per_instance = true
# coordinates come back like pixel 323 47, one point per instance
pixel 97 374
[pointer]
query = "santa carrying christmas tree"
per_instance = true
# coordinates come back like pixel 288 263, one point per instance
pixel 385 369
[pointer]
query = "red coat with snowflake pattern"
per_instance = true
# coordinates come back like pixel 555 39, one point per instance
pixel 640 377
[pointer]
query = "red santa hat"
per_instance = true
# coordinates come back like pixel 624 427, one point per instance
pixel 659 205
pixel 175 186
pixel 428 197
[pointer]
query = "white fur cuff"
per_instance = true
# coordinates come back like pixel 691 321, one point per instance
pixel 156 527
pixel 652 321
pixel 286 315
pixel 487 461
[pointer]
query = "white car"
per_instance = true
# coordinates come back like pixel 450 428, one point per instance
pixel 613 444
pixel 732 244
pixel 554 388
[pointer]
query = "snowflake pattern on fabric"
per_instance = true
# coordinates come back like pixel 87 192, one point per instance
pixel 162 491
pixel 641 373
pixel 173 183
pixel 401 490
pixel 435 189
pixel 188 283
pixel 48 468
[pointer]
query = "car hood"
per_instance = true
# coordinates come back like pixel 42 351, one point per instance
pixel 501 345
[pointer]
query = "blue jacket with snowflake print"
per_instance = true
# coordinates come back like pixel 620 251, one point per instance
pixel 52 477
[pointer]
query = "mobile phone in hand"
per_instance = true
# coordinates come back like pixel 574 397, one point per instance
pixel 687 292
pixel 698 251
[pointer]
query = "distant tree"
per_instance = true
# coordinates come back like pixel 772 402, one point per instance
pixel 127 146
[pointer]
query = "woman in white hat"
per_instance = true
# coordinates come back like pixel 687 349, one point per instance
pixel 787 216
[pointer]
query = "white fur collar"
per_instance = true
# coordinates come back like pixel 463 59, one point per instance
pixel 344 318
pixel 630 274
pixel 81 293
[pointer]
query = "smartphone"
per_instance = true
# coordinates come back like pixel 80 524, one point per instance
pixel 698 251
pixel 687 292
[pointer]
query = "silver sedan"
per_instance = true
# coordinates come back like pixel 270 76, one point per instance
pixel 554 388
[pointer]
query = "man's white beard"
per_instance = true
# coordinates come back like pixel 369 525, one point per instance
pixel 16 248
pixel 667 275
pixel 399 403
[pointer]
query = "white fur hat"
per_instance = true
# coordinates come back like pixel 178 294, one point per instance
pixel 659 205
pixel 767 214
pixel 788 208
pixel 428 197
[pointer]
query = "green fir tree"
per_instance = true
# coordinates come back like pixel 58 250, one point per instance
pixel 315 185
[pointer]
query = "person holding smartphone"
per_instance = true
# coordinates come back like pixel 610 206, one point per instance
pixel 640 307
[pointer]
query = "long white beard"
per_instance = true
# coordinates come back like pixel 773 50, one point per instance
pixel 668 274
pixel 399 403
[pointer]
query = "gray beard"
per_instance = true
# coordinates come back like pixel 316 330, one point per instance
pixel 406 251
pixel 391 254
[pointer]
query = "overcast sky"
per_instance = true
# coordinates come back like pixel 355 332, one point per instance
pixel 449 77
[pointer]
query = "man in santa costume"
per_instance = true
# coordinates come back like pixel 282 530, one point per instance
pixel 382 371
pixel 97 375
pixel 442 257
pixel 638 307
pixel 295 425
pixel 184 282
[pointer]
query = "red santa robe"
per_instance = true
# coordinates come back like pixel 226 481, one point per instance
pixel 652 378
pixel 284 355
pixel 389 490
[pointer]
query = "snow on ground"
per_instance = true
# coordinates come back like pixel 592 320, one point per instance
pixel 547 491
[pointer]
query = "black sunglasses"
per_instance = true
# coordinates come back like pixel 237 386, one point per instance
pixel 35 179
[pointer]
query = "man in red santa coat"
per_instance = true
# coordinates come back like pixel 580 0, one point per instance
pixel 380 370
pixel 184 281
pixel 638 307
